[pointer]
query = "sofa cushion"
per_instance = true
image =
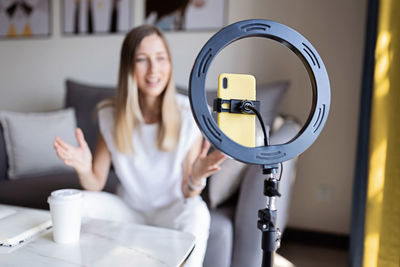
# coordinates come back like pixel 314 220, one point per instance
pixel 220 241
pixel 3 156
pixel 247 250
pixel 29 141
pixel 224 183
pixel 270 97
pixel 84 98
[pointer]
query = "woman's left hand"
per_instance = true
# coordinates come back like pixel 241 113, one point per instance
pixel 206 164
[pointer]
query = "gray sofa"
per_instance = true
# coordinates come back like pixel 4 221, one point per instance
pixel 234 238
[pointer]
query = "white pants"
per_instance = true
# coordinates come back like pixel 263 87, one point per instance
pixel 190 215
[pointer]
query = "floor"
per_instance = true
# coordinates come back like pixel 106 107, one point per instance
pixel 310 256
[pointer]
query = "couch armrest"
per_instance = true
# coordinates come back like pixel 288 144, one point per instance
pixel 3 157
pixel 247 247
pixel 32 192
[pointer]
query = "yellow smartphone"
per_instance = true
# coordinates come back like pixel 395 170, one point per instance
pixel 239 127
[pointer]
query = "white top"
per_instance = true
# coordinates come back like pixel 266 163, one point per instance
pixel 150 178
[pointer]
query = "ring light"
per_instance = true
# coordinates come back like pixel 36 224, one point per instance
pixel 262 155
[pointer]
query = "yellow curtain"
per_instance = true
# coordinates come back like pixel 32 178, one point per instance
pixel 382 226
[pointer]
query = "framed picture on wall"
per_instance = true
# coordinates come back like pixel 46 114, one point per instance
pixel 185 15
pixel 24 19
pixel 96 16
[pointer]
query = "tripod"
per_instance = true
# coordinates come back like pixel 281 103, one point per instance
pixel 271 235
pixel 267 217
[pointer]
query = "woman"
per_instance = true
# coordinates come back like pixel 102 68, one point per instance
pixel 147 131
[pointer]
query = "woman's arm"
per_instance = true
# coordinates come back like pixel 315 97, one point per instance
pixel 92 172
pixel 198 165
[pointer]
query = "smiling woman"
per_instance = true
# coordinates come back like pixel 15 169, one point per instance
pixel 152 72
pixel 148 133
pixel 145 90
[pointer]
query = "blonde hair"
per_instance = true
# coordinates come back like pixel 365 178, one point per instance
pixel 127 113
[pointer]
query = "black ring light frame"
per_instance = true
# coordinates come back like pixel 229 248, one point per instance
pixel 262 155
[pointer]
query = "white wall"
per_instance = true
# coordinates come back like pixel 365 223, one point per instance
pixel 33 73
pixel 323 189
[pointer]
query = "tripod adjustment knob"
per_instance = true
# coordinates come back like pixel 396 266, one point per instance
pixel 271 188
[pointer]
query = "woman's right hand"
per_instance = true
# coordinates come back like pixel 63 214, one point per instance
pixel 79 158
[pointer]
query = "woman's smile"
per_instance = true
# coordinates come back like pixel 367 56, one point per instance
pixel 152 66
pixel 152 81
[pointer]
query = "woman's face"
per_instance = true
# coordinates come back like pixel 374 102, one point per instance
pixel 152 66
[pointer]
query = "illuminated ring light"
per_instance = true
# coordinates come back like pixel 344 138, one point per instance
pixel 261 155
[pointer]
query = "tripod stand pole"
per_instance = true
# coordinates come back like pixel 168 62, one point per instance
pixel 270 240
pixel 268 259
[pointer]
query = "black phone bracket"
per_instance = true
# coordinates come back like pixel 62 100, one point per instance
pixel 268 156
pixel 235 105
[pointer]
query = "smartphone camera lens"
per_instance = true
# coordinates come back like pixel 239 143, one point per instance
pixel 225 83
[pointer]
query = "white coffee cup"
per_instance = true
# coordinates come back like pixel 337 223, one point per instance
pixel 65 209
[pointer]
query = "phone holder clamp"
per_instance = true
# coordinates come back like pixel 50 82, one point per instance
pixel 235 106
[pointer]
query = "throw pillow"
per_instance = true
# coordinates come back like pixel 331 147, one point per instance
pixel 270 97
pixel 29 141
pixel 225 183
pixel 84 99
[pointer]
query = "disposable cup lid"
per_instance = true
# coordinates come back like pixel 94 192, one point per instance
pixel 65 195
